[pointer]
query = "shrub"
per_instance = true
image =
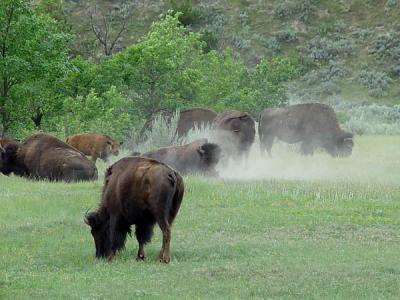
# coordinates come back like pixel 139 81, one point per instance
pixel 272 44
pixel 190 15
pixel 302 10
pixel 286 35
pixel 375 81
pixel 324 49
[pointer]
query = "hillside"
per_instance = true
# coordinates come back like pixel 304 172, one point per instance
pixel 349 49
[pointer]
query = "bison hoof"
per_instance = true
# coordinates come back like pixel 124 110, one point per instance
pixel 164 259
pixel 140 257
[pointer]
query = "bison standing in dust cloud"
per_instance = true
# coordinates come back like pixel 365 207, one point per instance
pixel 198 157
pixel 189 118
pixel 42 156
pixel 235 132
pixel 313 124
pixel 94 145
pixel 138 191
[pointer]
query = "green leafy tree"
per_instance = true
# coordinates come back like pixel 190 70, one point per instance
pixel 161 71
pixel 268 83
pixel 101 114
pixel 32 49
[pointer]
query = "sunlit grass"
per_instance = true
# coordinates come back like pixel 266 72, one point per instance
pixel 287 238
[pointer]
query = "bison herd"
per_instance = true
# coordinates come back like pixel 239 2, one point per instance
pixel 147 188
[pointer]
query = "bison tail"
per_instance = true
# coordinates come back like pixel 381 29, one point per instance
pixel 175 197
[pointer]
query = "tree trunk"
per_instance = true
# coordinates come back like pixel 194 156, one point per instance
pixel 4 115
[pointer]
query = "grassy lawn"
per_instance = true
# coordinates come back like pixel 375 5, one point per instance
pixel 323 229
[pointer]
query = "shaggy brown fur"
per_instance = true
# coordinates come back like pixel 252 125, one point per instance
pixel 94 145
pixel 189 118
pixel 313 124
pixel 42 156
pixel 235 132
pixel 197 157
pixel 137 191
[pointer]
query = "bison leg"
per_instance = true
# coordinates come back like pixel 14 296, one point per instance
pixel 143 234
pixel 307 148
pixel 94 157
pixel 266 144
pixel 113 223
pixel 166 231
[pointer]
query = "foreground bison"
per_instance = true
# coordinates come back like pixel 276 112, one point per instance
pixel 235 132
pixel 189 118
pixel 136 191
pixel 42 156
pixel 6 141
pixel 198 157
pixel 313 124
pixel 94 145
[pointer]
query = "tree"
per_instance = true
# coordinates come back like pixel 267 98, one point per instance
pixel 109 26
pixel 31 49
pixel 162 71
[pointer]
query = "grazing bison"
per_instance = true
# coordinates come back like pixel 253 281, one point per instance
pixel 42 156
pixel 313 124
pixel 235 132
pixel 189 118
pixel 138 191
pixel 197 157
pixel 94 145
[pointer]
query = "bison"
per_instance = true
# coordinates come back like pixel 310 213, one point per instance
pixel 137 191
pixel 189 118
pixel 6 141
pixel 95 145
pixel 235 132
pixel 42 156
pixel 313 124
pixel 197 157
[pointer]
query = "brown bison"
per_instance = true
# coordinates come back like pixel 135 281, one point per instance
pixel 235 132
pixel 6 141
pixel 95 145
pixel 138 191
pixel 313 124
pixel 42 156
pixel 189 118
pixel 199 157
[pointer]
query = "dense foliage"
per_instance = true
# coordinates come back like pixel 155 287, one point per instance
pixel 171 68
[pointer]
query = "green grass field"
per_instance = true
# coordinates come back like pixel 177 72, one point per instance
pixel 332 235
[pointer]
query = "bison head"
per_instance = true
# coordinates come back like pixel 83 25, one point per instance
pixel 113 147
pixel 8 158
pixel 342 146
pixel 100 230
pixel 210 154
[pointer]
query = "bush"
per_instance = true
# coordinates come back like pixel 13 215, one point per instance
pixel 375 81
pixel 190 15
pixel 302 10
pixel 286 35
pixel 333 71
pixel 325 49
pixel 272 44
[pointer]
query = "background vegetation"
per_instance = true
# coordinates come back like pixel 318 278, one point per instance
pixel 109 66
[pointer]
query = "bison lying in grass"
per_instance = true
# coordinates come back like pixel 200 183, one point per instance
pixel 199 157
pixel 313 124
pixel 42 156
pixel 138 191
pixel 94 145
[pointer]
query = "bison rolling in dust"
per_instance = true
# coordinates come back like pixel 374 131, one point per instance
pixel 235 132
pixel 94 145
pixel 198 157
pixel 42 156
pixel 138 191
pixel 313 124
